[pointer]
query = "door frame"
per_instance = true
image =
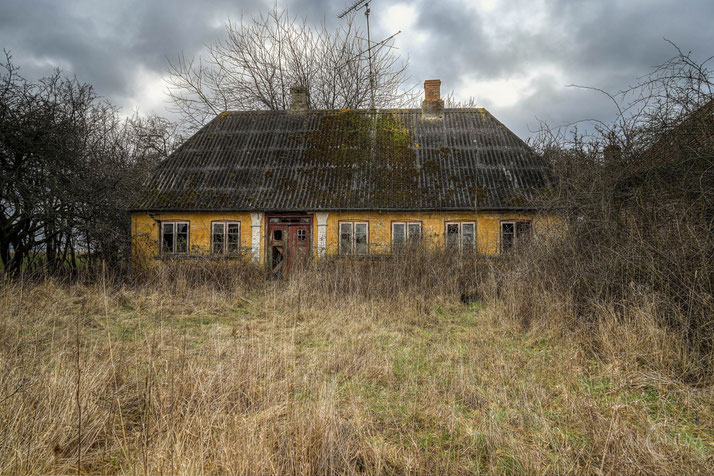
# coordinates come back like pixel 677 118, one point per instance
pixel 268 216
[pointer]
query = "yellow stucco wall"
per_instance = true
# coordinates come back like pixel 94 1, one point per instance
pixel 433 227
pixel 145 229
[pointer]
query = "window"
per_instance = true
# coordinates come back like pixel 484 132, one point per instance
pixel 354 238
pixel 513 233
pixel 225 237
pixel 461 235
pixel 406 232
pixel 174 237
pixel 289 220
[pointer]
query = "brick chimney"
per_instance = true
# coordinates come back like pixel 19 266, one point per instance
pixel 433 106
pixel 298 99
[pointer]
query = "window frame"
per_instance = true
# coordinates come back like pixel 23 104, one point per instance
pixel 353 238
pixel 460 224
pixel 515 232
pixel 174 224
pixel 225 224
pixel 406 224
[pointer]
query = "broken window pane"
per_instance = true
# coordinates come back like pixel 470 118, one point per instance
pixel 468 235
pixel 345 238
pixel 218 234
pixel 167 238
pixel 361 245
pixel 278 235
pixel 414 232
pixel 276 258
pixel 452 235
pixel 181 237
pixel 233 241
pixel 398 233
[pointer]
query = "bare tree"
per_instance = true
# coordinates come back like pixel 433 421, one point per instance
pixel 71 166
pixel 636 196
pixel 451 101
pixel 258 62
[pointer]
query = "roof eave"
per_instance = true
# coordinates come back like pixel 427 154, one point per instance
pixel 303 210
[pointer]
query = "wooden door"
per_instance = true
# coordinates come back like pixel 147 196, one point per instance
pixel 289 243
pixel 299 245
pixel 277 248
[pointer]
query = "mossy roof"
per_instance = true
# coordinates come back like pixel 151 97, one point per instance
pixel 348 160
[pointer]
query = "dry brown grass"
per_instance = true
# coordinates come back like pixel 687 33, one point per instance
pixel 329 374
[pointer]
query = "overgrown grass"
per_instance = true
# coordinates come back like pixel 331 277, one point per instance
pixel 327 373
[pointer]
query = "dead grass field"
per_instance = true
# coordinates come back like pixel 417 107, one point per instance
pixel 193 380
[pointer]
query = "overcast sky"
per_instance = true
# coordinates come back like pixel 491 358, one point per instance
pixel 516 57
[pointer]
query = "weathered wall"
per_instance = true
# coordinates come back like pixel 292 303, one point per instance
pixel 146 232
pixel 433 227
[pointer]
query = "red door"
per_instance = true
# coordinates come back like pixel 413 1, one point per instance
pixel 289 242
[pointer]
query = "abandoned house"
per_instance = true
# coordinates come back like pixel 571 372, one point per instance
pixel 282 186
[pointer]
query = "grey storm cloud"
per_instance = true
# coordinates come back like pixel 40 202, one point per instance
pixel 550 43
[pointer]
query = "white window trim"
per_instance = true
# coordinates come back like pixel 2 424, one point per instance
pixel 225 224
pixel 461 234
pixel 353 240
pixel 174 224
pixel 515 231
pixel 406 231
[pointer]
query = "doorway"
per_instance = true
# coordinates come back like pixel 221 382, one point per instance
pixel 289 242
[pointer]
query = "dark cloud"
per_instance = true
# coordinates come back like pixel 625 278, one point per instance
pixel 605 44
pixel 106 44
pixel 602 43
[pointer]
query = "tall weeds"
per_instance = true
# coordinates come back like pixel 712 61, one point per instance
pixel 345 367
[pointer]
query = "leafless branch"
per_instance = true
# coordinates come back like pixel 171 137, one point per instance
pixel 259 60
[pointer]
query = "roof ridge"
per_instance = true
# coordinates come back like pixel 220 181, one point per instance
pixel 337 110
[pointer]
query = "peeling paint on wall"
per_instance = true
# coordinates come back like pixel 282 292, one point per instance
pixel 326 229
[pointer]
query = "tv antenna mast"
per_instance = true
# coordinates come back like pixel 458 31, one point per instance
pixel 357 5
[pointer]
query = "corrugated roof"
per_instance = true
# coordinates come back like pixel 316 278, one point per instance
pixel 352 159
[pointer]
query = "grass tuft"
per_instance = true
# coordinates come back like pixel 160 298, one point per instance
pixel 315 375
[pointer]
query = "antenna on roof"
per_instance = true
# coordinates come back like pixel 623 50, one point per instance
pixel 356 5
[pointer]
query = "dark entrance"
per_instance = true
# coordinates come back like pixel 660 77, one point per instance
pixel 289 242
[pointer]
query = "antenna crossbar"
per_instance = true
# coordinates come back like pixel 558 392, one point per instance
pixel 355 6
pixel 376 46
pixel 380 43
